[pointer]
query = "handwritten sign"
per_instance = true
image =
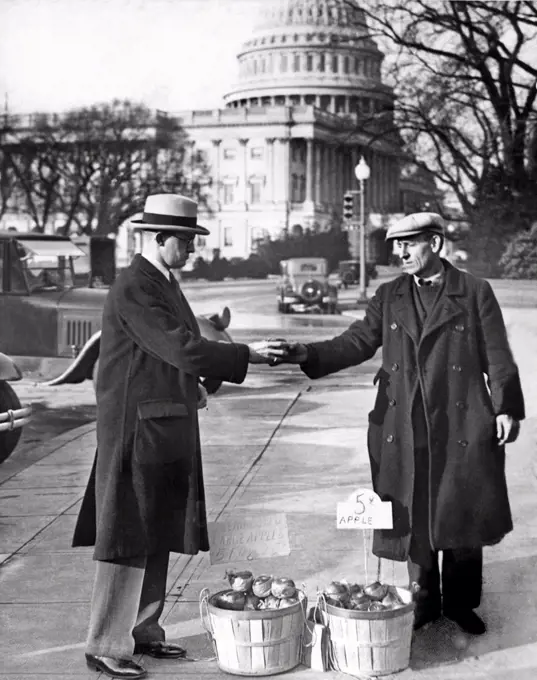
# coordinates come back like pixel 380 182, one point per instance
pixel 248 538
pixel 364 510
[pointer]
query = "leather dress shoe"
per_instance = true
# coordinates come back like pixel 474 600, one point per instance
pixel 160 650
pixel 116 668
pixel 467 620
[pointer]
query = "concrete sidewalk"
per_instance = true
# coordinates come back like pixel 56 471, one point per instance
pixel 272 445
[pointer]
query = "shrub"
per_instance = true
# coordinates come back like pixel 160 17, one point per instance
pixel 519 261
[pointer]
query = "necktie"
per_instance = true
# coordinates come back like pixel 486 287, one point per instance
pixel 174 283
pixel 424 282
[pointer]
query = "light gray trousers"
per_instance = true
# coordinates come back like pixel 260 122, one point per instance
pixel 127 602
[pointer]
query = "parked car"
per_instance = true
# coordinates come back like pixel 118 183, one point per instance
pixel 304 286
pixel 50 325
pixel 349 273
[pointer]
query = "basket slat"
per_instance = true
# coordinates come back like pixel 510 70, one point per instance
pixel 258 642
pixel 371 643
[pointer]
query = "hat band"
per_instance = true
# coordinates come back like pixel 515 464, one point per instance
pixel 174 220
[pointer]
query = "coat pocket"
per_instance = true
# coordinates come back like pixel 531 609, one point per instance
pixel 162 432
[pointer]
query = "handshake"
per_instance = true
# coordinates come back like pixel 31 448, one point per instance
pixel 276 351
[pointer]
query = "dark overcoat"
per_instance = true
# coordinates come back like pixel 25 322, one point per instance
pixel 463 364
pixel 145 492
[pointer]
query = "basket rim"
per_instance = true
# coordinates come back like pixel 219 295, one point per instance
pixel 371 616
pixel 256 614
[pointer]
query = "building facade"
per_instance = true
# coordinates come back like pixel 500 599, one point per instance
pixel 309 101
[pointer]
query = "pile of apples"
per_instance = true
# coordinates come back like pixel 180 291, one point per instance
pixel 252 594
pixel 375 597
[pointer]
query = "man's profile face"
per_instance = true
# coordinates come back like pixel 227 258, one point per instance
pixel 418 254
pixel 176 249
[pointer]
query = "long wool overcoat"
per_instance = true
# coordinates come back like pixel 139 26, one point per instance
pixel 145 492
pixel 463 363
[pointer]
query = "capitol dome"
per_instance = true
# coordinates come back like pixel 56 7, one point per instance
pixel 311 52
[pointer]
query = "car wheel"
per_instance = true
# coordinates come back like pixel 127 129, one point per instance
pixel 212 385
pixel 10 438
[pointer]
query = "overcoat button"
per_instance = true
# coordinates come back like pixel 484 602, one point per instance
pixel 389 438
pixel 462 442
pixel 395 367
pixel 459 327
pixel 392 402
pixel 456 367
pixel 461 404
pixel 394 326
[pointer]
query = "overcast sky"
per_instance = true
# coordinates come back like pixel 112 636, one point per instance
pixel 170 54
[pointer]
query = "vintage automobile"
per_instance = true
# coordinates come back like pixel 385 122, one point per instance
pixel 50 323
pixel 304 286
pixel 349 273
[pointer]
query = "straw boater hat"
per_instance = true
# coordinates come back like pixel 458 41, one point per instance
pixel 170 212
pixel 417 223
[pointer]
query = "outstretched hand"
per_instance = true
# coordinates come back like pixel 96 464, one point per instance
pixel 276 351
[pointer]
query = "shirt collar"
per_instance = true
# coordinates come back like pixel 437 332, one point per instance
pixel 434 280
pixel 162 269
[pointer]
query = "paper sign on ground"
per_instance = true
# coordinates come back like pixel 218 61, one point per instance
pixel 248 538
pixel 364 510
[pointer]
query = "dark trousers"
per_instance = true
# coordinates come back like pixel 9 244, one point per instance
pixel 457 587
pixel 460 583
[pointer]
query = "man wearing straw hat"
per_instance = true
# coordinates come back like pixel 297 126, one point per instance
pixel 449 399
pixel 145 497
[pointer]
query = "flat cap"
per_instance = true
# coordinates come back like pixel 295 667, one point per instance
pixel 417 223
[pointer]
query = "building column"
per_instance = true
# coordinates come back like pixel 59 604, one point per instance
pixel 309 171
pixel 270 170
pixel 318 173
pixel 332 186
pixel 284 168
pixel 216 170
pixel 244 144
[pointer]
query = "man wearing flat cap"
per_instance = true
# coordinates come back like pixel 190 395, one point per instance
pixel 449 399
pixel 145 497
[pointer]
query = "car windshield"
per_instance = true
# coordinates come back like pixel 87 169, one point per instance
pixel 46 268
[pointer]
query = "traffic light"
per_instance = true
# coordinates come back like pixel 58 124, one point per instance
pixel 348 206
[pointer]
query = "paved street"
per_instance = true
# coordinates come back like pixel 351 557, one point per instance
pixel 278 443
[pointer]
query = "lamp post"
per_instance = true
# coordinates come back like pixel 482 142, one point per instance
pixel 362 173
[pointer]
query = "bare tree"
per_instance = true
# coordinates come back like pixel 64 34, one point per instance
pixel 465 76
pixel 94 166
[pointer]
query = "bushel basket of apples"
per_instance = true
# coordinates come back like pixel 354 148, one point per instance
pixel 256 625
pixel 369 627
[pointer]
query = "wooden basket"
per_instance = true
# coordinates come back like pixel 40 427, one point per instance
pixel 263 642
pixel 366 643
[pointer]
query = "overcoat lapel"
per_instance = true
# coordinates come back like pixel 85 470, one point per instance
pixel 404 310
pixel 447 306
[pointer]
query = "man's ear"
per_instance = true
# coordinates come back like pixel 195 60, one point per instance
pixel 436 244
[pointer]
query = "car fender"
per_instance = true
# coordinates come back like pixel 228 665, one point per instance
pixel 82 367
pixel 212 327
pixel 9 369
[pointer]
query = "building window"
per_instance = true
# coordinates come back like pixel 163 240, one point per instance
pixel 309 100
pixel 228 236
pixel 294 187
pixel 356 65
pixel 334 63
pixel 230 154
pixel 256 152
pixel 283 63
pixel 263 66
pixel 255 192
pixel 279 100
pixel 346 65
pixel 322 62
pixel 228 194
pixel 309 62
pixel 296 62
pixel 270 63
